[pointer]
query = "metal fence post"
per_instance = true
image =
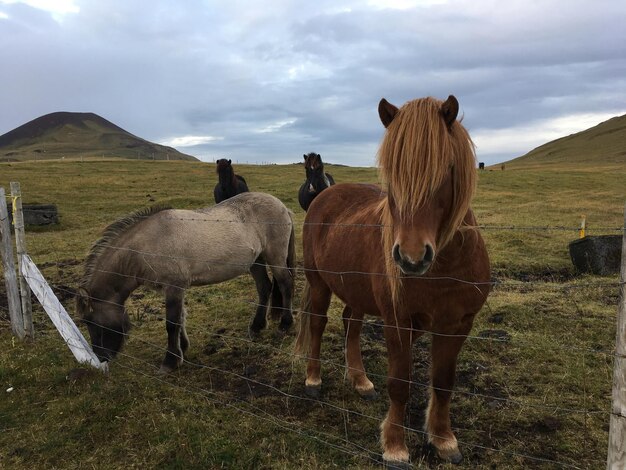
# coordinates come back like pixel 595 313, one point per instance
pixel 616 458
pixel 10 278
pixel 20 242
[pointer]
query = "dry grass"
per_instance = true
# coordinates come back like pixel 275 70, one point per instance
pixel 533 382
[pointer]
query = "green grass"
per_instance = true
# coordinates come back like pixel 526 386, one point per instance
pixel 542 390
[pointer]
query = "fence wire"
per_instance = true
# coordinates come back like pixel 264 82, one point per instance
pixel 336 442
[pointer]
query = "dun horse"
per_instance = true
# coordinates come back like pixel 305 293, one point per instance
pixel 229 183
pixel 171 250
pixel 408 254
pixel 316 180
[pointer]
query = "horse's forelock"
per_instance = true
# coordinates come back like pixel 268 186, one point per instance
pixel 418 153
pixel 313 158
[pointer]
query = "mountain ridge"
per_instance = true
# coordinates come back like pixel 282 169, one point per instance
pixel 78 134
pixel 602 143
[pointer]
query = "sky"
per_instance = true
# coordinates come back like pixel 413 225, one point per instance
pixel 267 81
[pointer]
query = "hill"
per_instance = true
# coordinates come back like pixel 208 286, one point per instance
pixel 78 135
pixel 601 144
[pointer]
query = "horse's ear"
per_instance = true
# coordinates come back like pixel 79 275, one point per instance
pixel 304 156
pixel 83 301
pixel 450 110
pixel 387 112
pixel 229 162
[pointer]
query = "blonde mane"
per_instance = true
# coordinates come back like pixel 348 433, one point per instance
pixel 417 154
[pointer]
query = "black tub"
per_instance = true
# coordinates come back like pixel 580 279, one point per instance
pixel 598 254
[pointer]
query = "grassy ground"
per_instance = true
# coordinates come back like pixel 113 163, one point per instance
pixel 534 380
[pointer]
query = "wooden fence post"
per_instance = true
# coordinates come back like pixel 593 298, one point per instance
pixel 10 278
pixel 616 458
pixel 20 242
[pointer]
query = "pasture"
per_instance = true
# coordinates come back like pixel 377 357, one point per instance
pixel 533 380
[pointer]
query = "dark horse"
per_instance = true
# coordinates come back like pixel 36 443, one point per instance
pixel 316 180
pixel 229 183
pixel 409 253
pixel 171 250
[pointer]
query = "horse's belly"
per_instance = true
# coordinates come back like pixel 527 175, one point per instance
pixel 222 268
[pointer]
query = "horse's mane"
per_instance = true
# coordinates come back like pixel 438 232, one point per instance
pixel 112 233
pixel 416 155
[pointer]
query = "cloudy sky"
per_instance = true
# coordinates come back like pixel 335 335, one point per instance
pixel 268 81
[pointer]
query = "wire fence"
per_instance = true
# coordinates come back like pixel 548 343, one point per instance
pixel 344 444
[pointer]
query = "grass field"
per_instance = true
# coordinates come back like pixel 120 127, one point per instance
pixel 534 379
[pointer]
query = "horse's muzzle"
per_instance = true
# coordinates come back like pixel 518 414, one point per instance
pixel 410 267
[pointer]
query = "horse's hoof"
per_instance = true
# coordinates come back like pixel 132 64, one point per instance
pixel 284 325
pixel 453 456
pixel 368 395
pixel 396 465
pixel 254 333
pixel 164 370
pixel 312 391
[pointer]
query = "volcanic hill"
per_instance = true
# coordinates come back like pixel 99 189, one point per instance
pixel 601 144
pixel 78 135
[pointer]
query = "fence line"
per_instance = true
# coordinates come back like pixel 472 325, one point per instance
pixel 426 278
pixel 366 322
pixel 554 408
pixel 326 404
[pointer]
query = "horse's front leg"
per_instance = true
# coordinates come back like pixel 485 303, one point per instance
pixel 444 352
pixel 399 339
pixel 174 324
pixel 352 325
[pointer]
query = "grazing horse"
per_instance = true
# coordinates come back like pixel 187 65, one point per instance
pixel 409 253
pixel 316 180
pixel 171 250
pixel 229 183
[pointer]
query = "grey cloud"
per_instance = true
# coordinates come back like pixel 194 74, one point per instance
pixel 162 69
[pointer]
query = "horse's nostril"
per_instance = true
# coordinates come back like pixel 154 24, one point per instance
pixel 396 253
pixel 429 254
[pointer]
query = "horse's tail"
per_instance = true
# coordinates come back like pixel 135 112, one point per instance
pixel 291 252
pixel 276 306
pixel 302 346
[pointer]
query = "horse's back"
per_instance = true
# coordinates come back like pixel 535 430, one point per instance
pixel 342 200
pixel 211 244
pixel 341 243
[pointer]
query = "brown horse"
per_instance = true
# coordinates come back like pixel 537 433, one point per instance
pixel 407 254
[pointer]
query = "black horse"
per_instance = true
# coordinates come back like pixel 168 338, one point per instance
pixel 229 183
pixel 316 180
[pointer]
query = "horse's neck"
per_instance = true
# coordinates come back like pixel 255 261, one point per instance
pixel 319 180
pixel 105 284
pixel 227 178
